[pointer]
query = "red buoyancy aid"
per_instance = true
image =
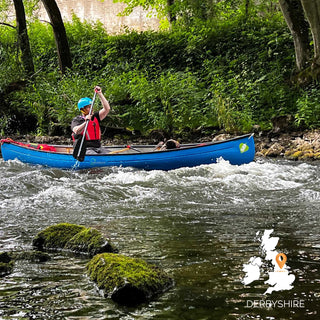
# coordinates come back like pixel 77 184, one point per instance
pixel 93 130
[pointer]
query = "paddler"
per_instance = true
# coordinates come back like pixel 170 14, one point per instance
pixel 93 134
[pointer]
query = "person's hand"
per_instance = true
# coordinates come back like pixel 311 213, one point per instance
pixel 88 116
pixel 97 89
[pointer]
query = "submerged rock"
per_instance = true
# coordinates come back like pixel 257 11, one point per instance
pixel 72 237
pixel 128 281
pixel 6 264
pixel 33 256
pixel 7 260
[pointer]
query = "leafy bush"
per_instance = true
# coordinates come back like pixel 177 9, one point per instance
pixel 230 73
pixel 308 109
pixel 52 99
pixel 10 70
pixel 43 45
pixel 167 102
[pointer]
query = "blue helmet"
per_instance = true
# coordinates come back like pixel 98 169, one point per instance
pixel 83 102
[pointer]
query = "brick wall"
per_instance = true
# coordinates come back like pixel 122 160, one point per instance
pixel 107 12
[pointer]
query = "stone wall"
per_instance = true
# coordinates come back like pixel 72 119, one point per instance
pixel 107 12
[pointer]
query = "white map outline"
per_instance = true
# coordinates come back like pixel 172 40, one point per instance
pixel 280 278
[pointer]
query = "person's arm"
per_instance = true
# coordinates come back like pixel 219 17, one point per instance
pixel 79 128
pixel 106 107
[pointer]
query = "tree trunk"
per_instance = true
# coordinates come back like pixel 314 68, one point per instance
pixel 299 28
pixel 23 38
pixel 312 12
pixel 60 35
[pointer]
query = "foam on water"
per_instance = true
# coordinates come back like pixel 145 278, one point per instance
pixel 23 186
pixel 198 223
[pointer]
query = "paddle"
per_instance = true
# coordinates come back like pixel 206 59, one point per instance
pixel 80 147
pixel 126 148
pixel 129 147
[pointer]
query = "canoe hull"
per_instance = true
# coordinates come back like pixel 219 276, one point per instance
pixel 237 151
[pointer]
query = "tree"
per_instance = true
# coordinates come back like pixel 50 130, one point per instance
pixel 163 8
pixel 60 34
pixel 187 10
pixel 312 12
pixel 302 16
pixel 23 38
pixel 293 13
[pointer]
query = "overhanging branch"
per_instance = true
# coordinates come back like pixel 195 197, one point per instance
pixel 8 25
pixel 46 22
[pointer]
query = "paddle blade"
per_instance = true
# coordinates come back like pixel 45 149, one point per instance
pixel 79 155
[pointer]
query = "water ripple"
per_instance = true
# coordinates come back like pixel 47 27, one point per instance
pixel 197 223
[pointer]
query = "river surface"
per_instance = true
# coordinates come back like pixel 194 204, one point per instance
pixel 201 225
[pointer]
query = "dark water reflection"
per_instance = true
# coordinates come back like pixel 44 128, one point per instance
pixel 198 224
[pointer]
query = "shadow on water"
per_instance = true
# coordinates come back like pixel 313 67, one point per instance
pixel 199 224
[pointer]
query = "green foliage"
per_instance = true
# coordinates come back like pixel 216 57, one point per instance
pixel 193 12
pixel 250 78
pixel 52 99
pixel 42 45
pixel 166 102
pixel 227 68
pixel 9 66
pixel 159 6
pixel 83 32
pixel 308 109
pixel 228 117
pixel 4 8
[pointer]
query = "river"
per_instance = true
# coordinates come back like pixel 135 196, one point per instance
pixel 201 225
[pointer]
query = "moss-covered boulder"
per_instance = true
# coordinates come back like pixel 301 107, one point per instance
pixel 56 237
pixel 91 241
pixel 6 264
pixel 72 237
pixel 128 281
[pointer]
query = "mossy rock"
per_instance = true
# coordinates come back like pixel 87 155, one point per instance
pixel 89 241
pixel 128 281
pixel 307 155
pixel 317 155
pixel 295 155
pixel 72 237
pixel 288 153
pixel 56 237
pixel 275 150
pixel 6 264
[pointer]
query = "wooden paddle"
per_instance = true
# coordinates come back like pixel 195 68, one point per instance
pixel 126 148
pixel 80 148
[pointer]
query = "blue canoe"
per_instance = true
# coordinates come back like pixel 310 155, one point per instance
pixel 237 151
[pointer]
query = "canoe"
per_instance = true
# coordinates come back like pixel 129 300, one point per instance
pixel 237 151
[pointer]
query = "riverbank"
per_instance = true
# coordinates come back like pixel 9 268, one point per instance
pixel 292 145
pixel 299 145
